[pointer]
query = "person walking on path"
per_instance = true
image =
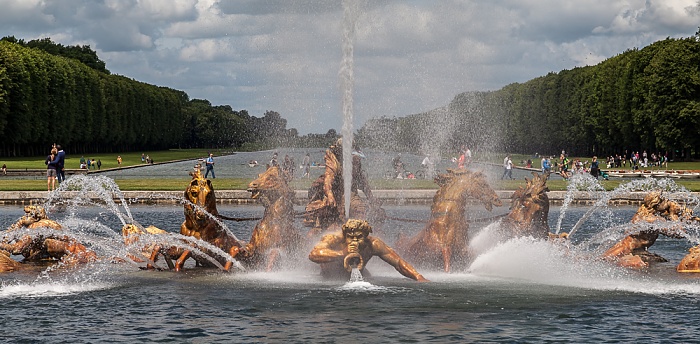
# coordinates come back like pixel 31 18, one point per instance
pixel 210 166
pixel 306 165
pixel 508 168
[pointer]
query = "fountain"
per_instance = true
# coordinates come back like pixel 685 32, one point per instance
pixel 520 287
pixel 509 277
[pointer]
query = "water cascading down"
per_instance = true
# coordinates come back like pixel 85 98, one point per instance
pixel 351 10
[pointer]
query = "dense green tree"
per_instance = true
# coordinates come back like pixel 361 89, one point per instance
pixel 646 99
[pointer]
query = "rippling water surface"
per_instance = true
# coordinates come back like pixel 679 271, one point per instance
pixel 518 291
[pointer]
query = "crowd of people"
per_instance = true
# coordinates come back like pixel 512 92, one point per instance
pixel 637 161
pixel 563 165
pixel 90 164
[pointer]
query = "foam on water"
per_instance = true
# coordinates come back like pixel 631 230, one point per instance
pixel 542 262
pixel 49 289
pixel 362 286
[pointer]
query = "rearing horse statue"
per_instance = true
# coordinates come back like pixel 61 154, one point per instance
pixel 445 238
pixel 529 209
pixel 275 234
pixel 200 222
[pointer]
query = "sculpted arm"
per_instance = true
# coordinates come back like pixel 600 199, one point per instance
pixel 326 251
pixel 388 255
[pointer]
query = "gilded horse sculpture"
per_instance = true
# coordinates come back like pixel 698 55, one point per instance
pixel 200 222
pixel 656 209
pixel 529 209
pixel 445 237
pixel 275 234
pixel 42 247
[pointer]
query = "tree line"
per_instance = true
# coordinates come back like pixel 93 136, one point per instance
pixel 50 93
pixel 642 99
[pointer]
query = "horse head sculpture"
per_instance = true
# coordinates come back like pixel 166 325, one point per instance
pixel 529 209
pixel 275 233
pixel 201 201
pixel 201 220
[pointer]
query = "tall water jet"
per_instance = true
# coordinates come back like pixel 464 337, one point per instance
pixel 351 9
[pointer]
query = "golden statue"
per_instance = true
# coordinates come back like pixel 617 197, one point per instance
pixel 691 262
pixel 275 234
pixel 200 222
pixel 8 264
pixel 444 240
pixel 326 208
pixel 631 251
pixel 50 247
pixel 529 209
pixel 353 247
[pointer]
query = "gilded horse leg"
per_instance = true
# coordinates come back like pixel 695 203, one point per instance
pixel 154 256
pixel 446 255
pixel 181 261
pixel 272 259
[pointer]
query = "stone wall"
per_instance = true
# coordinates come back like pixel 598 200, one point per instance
pixel 388 197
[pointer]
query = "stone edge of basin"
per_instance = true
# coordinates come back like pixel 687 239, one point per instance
pixel 389 197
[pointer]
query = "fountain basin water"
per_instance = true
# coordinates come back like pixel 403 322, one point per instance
pixel 520 290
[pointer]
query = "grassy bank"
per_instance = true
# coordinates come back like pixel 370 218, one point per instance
pixel 109 160
pixel 179 184
pixel 172 184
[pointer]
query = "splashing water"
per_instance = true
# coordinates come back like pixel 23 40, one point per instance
pixel 80 191
pixel 89 190
pixel 356 275
pixel 591 187
pixel 351 10
pixel 357 283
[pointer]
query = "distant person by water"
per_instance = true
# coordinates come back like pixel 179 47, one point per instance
pixel 508 168
pixel 306 165
pixel 210 166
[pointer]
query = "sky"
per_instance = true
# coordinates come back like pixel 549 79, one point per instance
pixel 409 56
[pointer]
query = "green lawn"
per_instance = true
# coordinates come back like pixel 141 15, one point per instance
pixel 129 159
pixel 109 160
pixel 7 184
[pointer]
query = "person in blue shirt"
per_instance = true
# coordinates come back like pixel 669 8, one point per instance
pixel 545 165
pixel 210 166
